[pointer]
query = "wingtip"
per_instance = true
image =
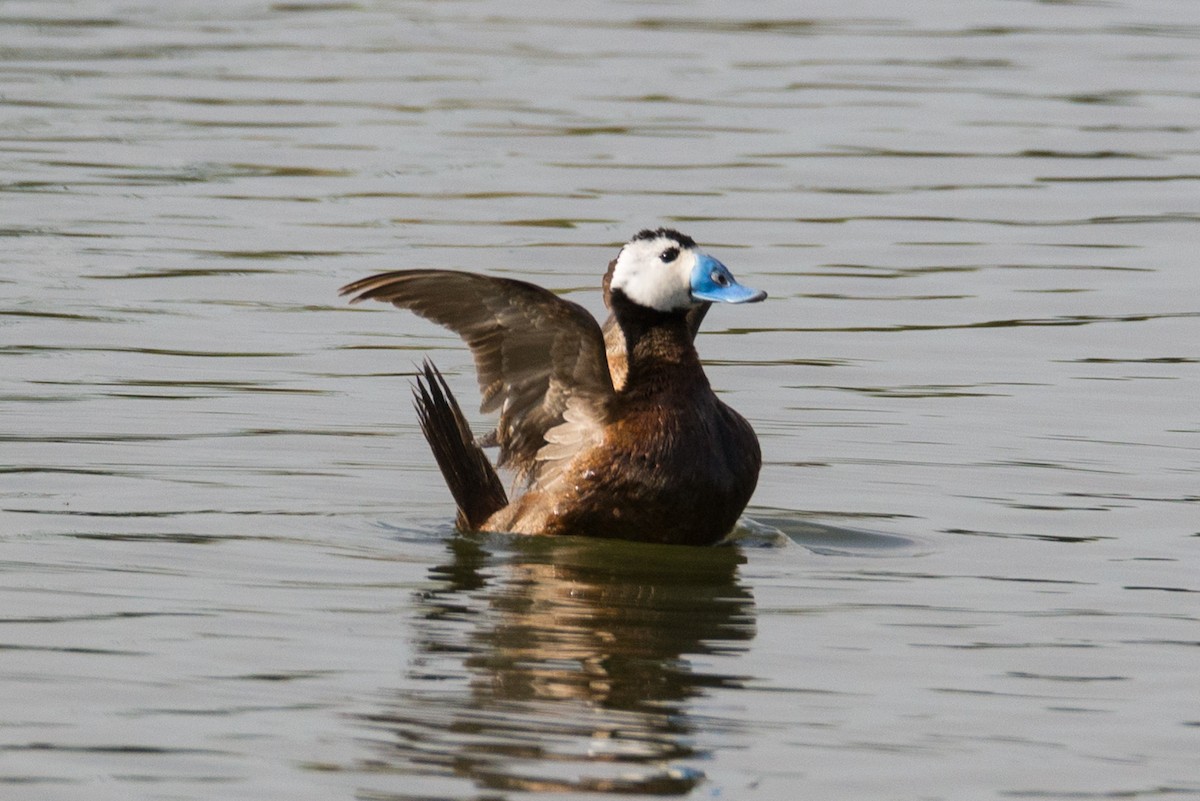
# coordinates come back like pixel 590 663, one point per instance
pixel 367 288
pixel 351 288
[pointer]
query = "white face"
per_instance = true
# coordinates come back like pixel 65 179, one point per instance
pixel 656 273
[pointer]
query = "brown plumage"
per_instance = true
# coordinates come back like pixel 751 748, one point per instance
pixel 615 433
pixel 472 480
pixel 614 340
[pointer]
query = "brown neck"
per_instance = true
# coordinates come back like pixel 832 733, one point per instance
pixel 658 344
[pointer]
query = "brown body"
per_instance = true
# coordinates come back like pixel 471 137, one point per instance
pixel 613 432
pixel 676 465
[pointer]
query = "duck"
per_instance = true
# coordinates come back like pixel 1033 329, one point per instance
pixel 612 430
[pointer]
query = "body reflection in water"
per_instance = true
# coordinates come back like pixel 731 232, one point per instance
pixel 562 664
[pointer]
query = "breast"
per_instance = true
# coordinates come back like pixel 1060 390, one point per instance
pixel 675 474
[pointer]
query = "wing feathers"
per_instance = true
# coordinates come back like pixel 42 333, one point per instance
pixel 535 353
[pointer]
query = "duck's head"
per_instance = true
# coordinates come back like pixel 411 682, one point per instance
pixel 665 270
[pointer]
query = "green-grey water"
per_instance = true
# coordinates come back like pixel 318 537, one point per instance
pixel 227 562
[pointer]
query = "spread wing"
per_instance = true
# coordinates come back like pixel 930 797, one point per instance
pixel 534 352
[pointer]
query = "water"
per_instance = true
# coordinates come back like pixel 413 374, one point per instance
pixel 227 567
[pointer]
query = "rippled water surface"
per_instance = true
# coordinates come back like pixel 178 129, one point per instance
pixel 227 564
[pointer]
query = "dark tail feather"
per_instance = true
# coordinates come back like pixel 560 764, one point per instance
pixel 472 479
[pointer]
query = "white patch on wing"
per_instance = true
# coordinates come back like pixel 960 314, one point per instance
pixel 580 430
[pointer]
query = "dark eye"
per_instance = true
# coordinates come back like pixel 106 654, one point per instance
pixel 720 278
pixel 669 255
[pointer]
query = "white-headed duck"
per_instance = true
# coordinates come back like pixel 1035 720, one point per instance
pixel 613 432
